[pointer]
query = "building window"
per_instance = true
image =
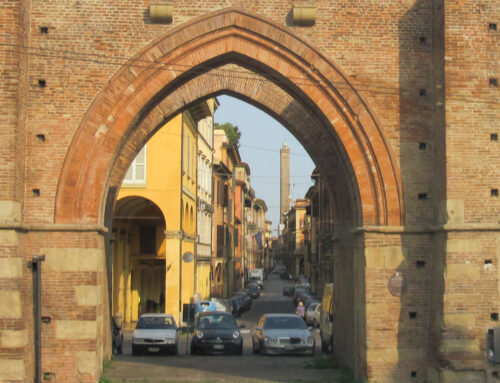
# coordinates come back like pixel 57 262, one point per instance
pixel 136 173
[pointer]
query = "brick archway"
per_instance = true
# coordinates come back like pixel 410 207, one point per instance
pixel 131 105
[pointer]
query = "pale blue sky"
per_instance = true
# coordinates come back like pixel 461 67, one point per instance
pixel 261 139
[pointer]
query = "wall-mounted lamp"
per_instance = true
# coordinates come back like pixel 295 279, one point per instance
pixel 304 15
pixel 161 12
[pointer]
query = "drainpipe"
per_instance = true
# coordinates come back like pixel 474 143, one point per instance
pixel 37 268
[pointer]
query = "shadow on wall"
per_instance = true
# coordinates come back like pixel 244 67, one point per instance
pixel 421 143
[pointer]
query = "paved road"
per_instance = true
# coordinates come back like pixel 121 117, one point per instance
pixel 223 368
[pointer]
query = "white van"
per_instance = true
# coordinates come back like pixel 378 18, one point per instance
pixel 256 275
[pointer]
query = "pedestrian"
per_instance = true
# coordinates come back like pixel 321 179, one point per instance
pixel 301 310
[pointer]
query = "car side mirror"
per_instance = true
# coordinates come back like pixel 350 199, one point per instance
pixel 241 326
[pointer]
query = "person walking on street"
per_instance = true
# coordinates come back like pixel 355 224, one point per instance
pixel 301 310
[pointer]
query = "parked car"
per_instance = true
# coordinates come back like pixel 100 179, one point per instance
pixel 308 299
pixel 282 334
pixel 235 305
pixel 288 291
pixel 254 289
pixel 304 284
pixel 245 300
pixel 301 278
pixel 257 275
pixel 221 305
pixel 327 317
pixel 286 275
pixel 248 293
pixel 216 332
pixel 156 333
pixel 313 314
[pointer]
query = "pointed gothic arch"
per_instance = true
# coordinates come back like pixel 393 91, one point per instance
pixel 177 69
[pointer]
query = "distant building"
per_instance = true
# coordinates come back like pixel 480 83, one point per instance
pixel 318 234
pixel 294 236
pixel 226 157
pixel 204 267
pixel 241 200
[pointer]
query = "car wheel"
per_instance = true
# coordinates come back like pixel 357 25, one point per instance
pixel 175 351
pixel 254 350
pixel 240 350
pixel 262 349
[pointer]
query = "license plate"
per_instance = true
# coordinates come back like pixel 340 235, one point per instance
pixel 218 347
pixel 153 349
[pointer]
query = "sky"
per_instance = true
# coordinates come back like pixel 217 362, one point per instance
pixel 261 140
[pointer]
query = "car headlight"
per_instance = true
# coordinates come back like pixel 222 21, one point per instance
pixel 199 333
pixel 236 334
pixel 270 340
pixel 309 340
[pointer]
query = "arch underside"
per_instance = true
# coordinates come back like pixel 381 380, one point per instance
pixel 231 52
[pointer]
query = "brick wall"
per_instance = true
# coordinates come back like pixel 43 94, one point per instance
pixel 422 67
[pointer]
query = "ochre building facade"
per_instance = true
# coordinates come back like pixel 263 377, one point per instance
pixel 396 102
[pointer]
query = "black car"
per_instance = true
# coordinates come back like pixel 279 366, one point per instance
pixel 249 295
pixel 288 291
pixel 286 275
pixel 216 332
pixel 245 300
pixel 254 289
pixel 234 302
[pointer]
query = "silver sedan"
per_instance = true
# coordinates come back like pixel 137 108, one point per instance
pixel 282 334
pixel 155 333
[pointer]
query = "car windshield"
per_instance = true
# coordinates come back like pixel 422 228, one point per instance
pixel 216 321
pixel 288 323
pixel 159 322
pixel 313 306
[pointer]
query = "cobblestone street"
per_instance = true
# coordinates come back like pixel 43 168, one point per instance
pixel 214 368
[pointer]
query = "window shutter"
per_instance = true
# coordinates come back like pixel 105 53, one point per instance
pixel 226 195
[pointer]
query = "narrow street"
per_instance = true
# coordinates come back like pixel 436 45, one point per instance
pixel 227 368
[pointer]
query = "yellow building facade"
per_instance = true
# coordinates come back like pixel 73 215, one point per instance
pixel 155 224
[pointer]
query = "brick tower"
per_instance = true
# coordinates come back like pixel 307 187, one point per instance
pixel 284 181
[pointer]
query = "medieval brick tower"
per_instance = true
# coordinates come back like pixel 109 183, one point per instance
pixel 284 181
